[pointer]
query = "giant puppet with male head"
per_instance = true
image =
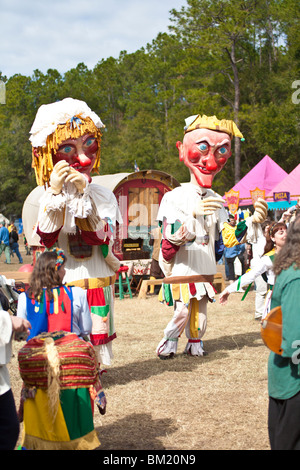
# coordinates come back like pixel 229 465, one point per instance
pixel 74 213
pixel 195 231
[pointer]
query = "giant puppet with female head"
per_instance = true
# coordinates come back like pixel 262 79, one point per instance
pixel 74 213
pixel 195 231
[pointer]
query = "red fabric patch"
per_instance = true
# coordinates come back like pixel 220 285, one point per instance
pixel 91 238
pixel 168 250
pixel 95 297
pixel 48 239
pixel 192 288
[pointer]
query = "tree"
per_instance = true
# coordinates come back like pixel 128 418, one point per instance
pixel 217 30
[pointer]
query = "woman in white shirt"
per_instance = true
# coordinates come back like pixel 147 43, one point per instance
pixel 9 423
pixel 274 243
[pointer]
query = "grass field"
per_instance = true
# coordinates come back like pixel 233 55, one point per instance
pixel 217 402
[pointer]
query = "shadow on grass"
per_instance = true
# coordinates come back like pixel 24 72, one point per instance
pixel 142 432
pixel 143 369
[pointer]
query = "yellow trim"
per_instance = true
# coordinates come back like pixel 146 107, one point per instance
pixel 88 442
pixel 94 283
pixel 194 318
pixel 271 253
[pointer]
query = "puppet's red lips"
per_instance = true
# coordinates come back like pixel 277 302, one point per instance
pixel 203 170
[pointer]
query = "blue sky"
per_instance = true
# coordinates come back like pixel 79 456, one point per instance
pixel 59 34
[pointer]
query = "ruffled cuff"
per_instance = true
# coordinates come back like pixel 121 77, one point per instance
pixel 79 204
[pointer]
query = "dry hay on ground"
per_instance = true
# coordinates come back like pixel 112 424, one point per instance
pixel 215 402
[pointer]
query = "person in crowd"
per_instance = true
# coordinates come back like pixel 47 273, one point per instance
pixel 13 243
pixel 54 310
pixel 4 241
pixel 155 269
pixel 275 240
pixel 9 422
pixel 75 213
pixel 231 253
pixel 261 286
pixel 283 370
pixel 192 218
pixel 48 292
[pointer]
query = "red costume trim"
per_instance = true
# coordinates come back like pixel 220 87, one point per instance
pixel 96 340
pixel 48 239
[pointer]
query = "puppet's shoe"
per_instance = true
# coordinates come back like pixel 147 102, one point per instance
pixel 168 356
pixel 195 348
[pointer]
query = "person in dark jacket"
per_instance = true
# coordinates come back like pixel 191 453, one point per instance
pixel 13 243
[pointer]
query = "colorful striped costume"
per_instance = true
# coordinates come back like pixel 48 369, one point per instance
pixel 190 248
pixel 60 373
pixel 61 380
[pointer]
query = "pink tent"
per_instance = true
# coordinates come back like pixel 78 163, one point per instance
pixel 264 176
pixel 290 184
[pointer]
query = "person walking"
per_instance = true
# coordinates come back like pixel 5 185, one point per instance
pixel 13 243
pixel 4 242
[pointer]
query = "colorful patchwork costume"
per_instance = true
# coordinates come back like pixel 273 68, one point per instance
pixel 60 372
pixel 77 215
pixel 195 230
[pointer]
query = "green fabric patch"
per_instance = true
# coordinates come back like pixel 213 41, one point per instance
pixel 101 311
pixel 77 410
pixel 104 249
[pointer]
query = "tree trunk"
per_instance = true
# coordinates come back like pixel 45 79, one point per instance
pixel 236 108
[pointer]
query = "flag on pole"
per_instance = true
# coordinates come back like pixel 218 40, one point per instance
pixel 136 168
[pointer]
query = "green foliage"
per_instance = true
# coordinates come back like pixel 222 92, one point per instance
pixel 235 59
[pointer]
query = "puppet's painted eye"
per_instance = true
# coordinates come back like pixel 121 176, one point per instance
pixel 203 147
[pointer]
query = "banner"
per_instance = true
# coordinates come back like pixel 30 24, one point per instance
pixel 257 193
pixel 232 199
pixel 283 196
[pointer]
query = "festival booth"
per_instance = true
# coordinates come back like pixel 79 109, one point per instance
pixel 285 194
pixel 259 182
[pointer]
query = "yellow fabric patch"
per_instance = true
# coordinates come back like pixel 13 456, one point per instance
pixel 185 293
pixel 228 234
pixel 38 422
pixel 194 318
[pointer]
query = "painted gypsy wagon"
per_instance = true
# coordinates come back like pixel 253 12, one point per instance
pixel 138 194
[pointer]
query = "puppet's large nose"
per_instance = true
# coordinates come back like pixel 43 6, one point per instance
pixel 210 162
pixel 84 160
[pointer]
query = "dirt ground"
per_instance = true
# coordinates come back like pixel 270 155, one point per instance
pixel 217 402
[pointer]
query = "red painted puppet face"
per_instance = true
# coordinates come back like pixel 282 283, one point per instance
pixel 204 152
pixel 79 153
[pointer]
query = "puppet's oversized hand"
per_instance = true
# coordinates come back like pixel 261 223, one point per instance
pixel 58 176
pixel 208 206
pixel 77 179
pixel 261 211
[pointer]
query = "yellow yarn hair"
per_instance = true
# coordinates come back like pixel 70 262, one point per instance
pixel 42 162
pixel 213 123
